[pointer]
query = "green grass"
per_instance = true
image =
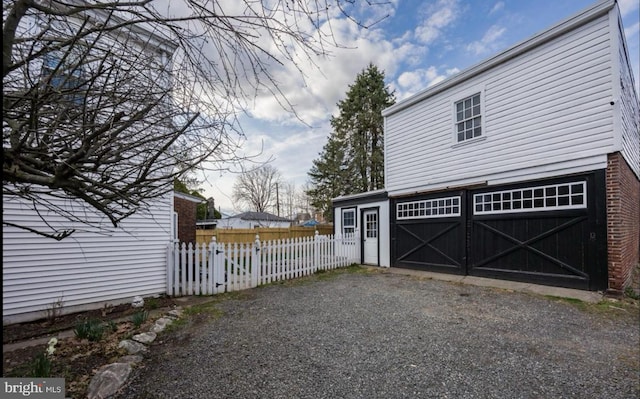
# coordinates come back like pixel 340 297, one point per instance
pixel 606 307
pixel 629 292
pixel 321 275
pixel 209 310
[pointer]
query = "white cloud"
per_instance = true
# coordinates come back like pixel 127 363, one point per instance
pixel 489 41
pixel 290 150
pixel 628 6
pixel 410 83
pixel 325 80
pixel 440 15
pixel 632 31
pixel 497 7
pixel 418 78
pixel 452 71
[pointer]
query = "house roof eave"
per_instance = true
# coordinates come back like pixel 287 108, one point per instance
pixel 189 197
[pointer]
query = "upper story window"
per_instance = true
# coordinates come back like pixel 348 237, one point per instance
pixel 468 118
pixel 63 73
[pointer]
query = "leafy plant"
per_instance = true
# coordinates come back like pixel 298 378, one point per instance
pixel 152 303
pixel 629 292
pixel 41 366
pixel 113 325
pixel 91 329
pixel 139 317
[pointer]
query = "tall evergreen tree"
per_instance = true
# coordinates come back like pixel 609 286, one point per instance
pixel 356 143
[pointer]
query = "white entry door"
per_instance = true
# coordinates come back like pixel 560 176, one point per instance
pixel 370 237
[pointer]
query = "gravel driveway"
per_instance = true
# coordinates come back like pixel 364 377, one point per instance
pixel 379 335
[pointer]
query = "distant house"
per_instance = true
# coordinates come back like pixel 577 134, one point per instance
pixel 206 224
pixel 185 208
pixel 523 167
pixel 302 217
pixel 250 220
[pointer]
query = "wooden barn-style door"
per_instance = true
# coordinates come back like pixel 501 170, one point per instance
pixel 430 233
pixel 547 232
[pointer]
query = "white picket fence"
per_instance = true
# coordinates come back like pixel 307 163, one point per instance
pixel 218 267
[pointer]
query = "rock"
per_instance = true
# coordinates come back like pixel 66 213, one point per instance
pixel 137 302
pixel 145 338
pixel 108 380
pixel 131 359
pixel 160 324
pixel 175 313
pixel 132 347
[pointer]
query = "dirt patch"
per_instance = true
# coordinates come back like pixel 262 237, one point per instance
pixel 45 328
pixel 76 360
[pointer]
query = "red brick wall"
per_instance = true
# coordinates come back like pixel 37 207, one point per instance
pixel 186 211
pixel 623 222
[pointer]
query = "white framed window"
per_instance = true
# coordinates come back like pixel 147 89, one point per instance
pixel 174 226
pixel 532 199
pixel 429 208
pixel 63 73
pixel 468 118
pixel 371 225
pixel 348 222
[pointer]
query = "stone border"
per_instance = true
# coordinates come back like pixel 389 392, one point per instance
pixel 111 377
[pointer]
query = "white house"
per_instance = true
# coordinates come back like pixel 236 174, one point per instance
pixel 525 166
pixel 250 220
pixel 94 266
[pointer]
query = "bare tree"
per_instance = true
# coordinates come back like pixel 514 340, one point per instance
pixel 303 200
pixel 90 116
pixel 257 188
pixel 286 197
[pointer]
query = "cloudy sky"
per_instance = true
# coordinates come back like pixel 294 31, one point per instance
pixel 420 43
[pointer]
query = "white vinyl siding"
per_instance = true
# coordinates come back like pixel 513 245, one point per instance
pixel 89 267
pixel 545 112
pixel 629 109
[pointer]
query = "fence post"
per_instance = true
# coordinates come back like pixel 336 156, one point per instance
pixel 316 252
pixel 255 262
pixel 213 265
pixel 197 270
pixel 169 282
pixel 355 257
